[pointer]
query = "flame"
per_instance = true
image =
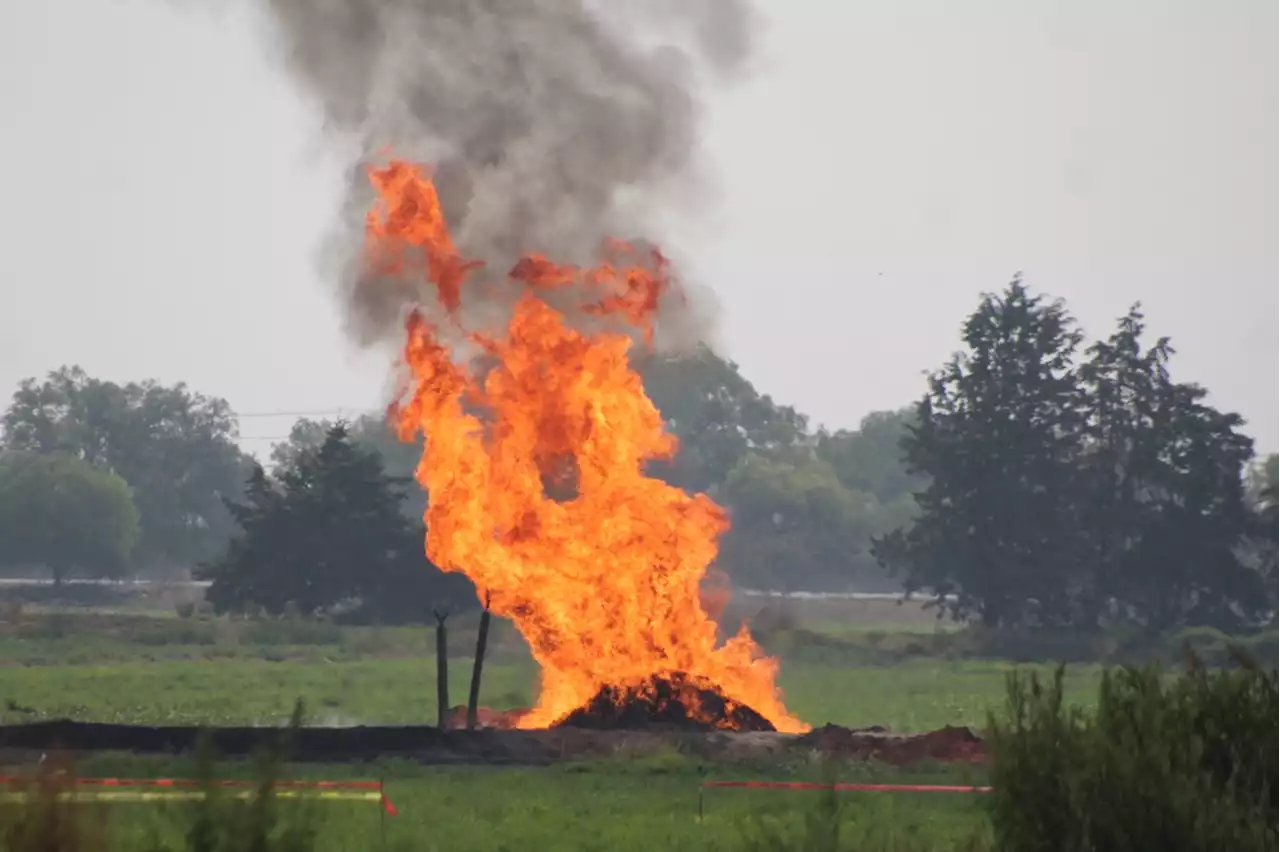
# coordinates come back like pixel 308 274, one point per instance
pixel 604 586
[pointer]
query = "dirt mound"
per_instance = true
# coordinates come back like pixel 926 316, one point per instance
pixel 495 746
pixel 677 701
pixel 485 718
pixel 945 745
pixel 329 745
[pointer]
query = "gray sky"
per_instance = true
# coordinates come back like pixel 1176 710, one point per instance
pixel 165 187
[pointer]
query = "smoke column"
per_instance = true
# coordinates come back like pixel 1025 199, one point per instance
pixel 552 124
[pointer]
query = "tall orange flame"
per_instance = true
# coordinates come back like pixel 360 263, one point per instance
pixel 604 585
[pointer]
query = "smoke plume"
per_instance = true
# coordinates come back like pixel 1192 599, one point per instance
pixel 551 124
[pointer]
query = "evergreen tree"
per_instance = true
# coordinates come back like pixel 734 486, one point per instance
pixel 1162 507
pixel 330 530
pixel 996 435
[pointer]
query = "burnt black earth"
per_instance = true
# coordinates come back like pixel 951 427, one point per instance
pixel 672 702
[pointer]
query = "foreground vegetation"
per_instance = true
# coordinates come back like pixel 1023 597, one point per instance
pixel 855 663
pixel 1182 764
pixel 625 804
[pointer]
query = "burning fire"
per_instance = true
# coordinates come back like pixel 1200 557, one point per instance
pixel 604 586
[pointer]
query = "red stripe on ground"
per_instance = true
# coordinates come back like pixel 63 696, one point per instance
pixel 865 788
pixel 188 782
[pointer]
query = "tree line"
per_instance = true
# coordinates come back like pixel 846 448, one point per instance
pixel 1081 485
pixel 804 503
pixel 1039 480
pixel 102 479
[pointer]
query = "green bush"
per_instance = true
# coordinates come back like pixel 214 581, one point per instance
pixel 1185 764
pixel 1263 648
pixel 1210 645
pixel 164 633
pixel 1041 645
pixel 220 822
pixel 280 631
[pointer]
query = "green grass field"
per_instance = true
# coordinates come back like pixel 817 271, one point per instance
pixel 187 671
pixel 641 804
pixel 913 696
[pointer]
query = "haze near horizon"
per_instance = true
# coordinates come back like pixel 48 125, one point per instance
pixel 882 165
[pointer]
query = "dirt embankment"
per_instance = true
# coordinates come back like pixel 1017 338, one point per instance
pixel 429 745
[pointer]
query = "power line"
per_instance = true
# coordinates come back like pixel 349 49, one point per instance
pixel 338 412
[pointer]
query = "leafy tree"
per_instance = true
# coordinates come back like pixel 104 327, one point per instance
pixel 996 437
pixel 1162 506
pixel 327 529
pixel 869 460
pixel 61 512
pixel 795 526
pixel 1060 494
pixel 305 435
pixel 1266 533
pixel 176 448
pixel 399 458
pixel 1262 477
pixel 1120 386
pixel 1262 549
pixel 718 416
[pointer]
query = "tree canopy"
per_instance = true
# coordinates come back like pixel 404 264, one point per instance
pixel 1040 480
pixel 795 525
pixel 717 415
pixel 399 459
pixel 1074 488
pixel 176 449
pixel 63 514
pixel 326 529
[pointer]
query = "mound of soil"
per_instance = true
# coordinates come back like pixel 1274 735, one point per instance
pixel 329 745
pixel 677 701
pixel 21 744
pixel 485 718
pixel 945 745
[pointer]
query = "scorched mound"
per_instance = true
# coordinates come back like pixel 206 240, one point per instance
pixel 674 701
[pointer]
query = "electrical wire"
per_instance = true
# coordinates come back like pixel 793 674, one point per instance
pixel 336 412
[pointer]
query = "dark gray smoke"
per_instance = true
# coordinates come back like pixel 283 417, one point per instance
pixel 552 124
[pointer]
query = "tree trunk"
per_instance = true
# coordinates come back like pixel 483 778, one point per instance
pixel 442 670
pixel 482 639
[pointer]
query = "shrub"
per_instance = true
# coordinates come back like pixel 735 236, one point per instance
pixel 43 820
pixel 1263 648
pixel 157 632
pixel 221 822
pixel 11 611
pixel 288 632
pixel 1181 765
pixel 1027 645
pixel 1207 644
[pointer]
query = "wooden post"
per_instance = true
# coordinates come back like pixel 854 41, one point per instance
pixel 482 639
pixel 442 668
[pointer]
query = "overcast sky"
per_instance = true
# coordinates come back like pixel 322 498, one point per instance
pixel 165 186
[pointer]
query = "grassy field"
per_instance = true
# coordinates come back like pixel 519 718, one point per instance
pixel 640 804
pixel 845 662
pixel 914 696
pixel 857 665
